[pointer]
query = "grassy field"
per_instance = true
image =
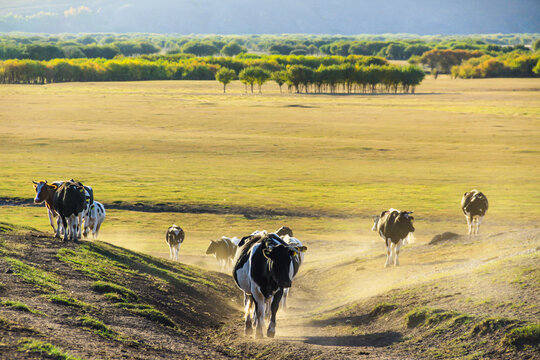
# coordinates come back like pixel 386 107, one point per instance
pixel 187 143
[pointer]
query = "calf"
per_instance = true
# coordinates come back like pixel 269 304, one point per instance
pixel 224 249
pixel 175 238
pixel 474 205
pixel 393 226
pixel 68 202
pixel 263 268
pixel 284 230
pixel 94 216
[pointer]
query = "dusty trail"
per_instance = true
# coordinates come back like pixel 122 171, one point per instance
pixel 333 277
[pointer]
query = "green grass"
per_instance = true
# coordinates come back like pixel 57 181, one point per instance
pixel 17 305
pixel 382 308
pixel 426 316
pixel 45 350
pixel 98 327
pixel 152 315
pixel 68 301
pixel 519 337
pixel 491 325
pixel 108 287
pixel 43 280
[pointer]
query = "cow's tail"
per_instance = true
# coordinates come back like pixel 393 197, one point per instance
pixel 410 239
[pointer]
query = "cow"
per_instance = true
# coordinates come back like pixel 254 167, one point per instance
pixel 94 215
pixel 263 268
pixel 175 238
pixel 297 261
pixel 68 201
pixel 45 193
pixel 394 227
pixel 224 249
pixel 474 205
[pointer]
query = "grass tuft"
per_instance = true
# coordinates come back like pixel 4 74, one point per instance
pixel 152 314
pixel 490 325
pixel 17 305
pixel 519 337
pixel 42 279
pixel 425 316
pixel 104 287
pixel 68 301
pixel 98 326
pixel 44 349
pixel 382 308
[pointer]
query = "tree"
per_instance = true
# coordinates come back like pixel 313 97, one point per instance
pixel 225 76
pixel 199 48
pixel 280 77
pixel 536 45
pixel 43 52
pixel 247 77
pixel 232 49
pixel 300 75
pixel 261 76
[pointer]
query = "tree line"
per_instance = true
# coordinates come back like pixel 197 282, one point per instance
pixel 394 47
pixel 510 65
pixel 301 74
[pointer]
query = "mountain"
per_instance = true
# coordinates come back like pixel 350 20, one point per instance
pixel 271 17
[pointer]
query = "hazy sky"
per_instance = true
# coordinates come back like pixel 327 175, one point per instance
pixel 272 16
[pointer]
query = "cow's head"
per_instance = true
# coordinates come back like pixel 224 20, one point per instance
pixel 280 260
pixel 42 189
pixel 284 230
pixel 405 217
pixel 212 247
pixel 375 222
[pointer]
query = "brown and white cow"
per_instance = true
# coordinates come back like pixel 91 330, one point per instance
pixel 474 205
pixel 68 201
pixel 45 193
pixel 394 227
pixel 175 238
pixel 224 249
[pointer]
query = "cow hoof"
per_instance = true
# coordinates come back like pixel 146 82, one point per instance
pixel 259 334
pixel 271 333
pixel 248 331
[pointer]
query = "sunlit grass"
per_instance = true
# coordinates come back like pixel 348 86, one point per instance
pixel 185 143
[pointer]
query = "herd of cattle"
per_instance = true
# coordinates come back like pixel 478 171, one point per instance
pixel 70 203
pixel 263 264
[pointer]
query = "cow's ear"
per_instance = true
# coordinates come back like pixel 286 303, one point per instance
pixel 54 186
pixel 267 253
pixel 302 248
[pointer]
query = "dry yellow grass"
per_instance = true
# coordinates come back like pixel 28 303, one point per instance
pixel 185 142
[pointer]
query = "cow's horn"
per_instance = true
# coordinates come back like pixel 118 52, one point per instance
pixel 34 182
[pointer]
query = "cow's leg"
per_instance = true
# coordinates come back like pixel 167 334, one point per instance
pixel 388 252
pixel 267 311
pixel 64 223
pixel 79 222
pixel 59 227
pixel 478 222
pixel 171 252
pixel 248 329
pixel 51 218
pixel 469 224
pixel 396 252
pixel 176 251
pixel 260 303
pixel 284 298
pixel 271 332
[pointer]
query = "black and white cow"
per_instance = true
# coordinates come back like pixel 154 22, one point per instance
pixel 175 238
pixel 94 216
pixel 474 205
pixel 224 249
pixel 394 227
pixel 68 201
pixel 264 266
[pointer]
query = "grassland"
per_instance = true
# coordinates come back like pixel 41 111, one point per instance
pixel 328 162
pixel 185 143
